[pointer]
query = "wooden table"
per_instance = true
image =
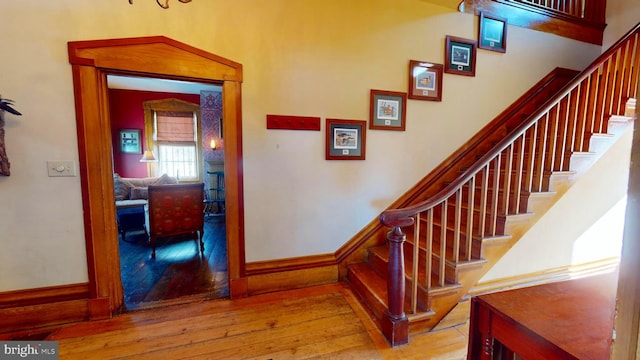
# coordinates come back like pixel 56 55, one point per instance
pixel 564 320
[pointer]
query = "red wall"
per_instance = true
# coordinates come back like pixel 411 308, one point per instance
pixel 126 112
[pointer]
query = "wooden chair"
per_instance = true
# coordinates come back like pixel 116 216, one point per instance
pixel 176 210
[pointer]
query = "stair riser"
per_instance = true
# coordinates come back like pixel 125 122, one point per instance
pixel 376 308
pixel 380 267
pixel 581 162
pixel 379 262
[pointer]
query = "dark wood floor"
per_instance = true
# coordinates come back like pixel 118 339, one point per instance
pixel 178 271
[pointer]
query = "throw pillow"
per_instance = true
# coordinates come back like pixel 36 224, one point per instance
pixel 120 188
pixel 138 193
pixel 165 179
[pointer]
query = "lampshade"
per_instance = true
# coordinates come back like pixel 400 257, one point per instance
pixel 148 156
pixel 213 144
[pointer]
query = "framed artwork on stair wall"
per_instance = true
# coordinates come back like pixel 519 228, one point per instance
pixel 387 110
pixel 425 80
pixel 492 33
pixel 346 139
pixel 460 56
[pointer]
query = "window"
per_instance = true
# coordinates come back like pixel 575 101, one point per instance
pixel 173 127
pixel 176 141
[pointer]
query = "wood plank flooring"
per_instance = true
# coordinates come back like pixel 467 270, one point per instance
pixel 179 270
pixel 322 322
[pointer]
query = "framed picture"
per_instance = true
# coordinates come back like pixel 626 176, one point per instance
pixel 425 80
pixel 387 110
pixel 460 56
pixel 346 139
pixel 492 33
pixel 130 141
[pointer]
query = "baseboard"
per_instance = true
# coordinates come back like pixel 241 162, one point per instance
pixel 43 307
pixel 43 295
pixel 291 273
pixel 289 264
pixel 546 276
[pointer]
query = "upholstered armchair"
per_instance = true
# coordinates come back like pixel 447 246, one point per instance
pixel 176 210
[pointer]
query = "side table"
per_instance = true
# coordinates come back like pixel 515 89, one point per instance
pixel 131 215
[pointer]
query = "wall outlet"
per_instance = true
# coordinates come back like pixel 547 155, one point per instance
pixel 61 168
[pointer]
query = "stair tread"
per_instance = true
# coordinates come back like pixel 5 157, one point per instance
pixel 377 283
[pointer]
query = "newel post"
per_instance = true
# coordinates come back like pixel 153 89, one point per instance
pixel 395 325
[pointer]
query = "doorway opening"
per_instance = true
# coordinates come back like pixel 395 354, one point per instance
pixel 175 124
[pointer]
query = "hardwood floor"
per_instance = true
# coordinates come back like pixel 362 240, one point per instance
pixel 178 271
pixel 322 322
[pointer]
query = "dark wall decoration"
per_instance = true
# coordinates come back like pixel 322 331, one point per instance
pixel 211 113
pixel 5 105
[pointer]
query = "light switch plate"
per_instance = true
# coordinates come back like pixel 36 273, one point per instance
pixel 61 168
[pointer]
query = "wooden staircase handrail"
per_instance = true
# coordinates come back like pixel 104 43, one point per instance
pixel 518 165
pixel 494 125
pixel 404 216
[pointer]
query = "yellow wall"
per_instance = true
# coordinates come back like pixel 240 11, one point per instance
pixel 300 57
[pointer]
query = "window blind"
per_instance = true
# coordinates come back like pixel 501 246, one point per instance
pixel 175 127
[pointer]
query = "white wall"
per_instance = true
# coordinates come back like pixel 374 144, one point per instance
pixel 622 15
pixel 307 58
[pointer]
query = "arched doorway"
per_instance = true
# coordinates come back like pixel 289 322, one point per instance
pixel 157 57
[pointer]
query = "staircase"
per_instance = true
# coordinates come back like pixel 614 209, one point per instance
pixel 466 214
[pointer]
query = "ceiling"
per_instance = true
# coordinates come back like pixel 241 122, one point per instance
pixel 158 85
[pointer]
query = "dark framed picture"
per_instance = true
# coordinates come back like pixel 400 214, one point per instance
pixel 492 33
pixel 387 110
pixel 130 141
pixel 425 80
pixel 346 139
pixel 460 56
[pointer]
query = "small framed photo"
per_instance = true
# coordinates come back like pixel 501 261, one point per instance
pixel 460 56
pixel 492 33
pixel 346 139
pixel 387 110
pixel 130 141
pixel 425 80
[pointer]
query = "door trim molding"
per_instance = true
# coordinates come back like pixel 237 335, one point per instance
pixel 161 57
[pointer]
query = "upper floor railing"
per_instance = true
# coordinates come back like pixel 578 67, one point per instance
pixel 583 20
pixel 590 10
